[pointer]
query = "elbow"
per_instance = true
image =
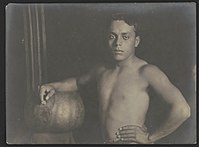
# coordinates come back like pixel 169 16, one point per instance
pixel 188 112
pixel 185 111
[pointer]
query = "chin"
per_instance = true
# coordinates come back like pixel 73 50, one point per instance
pixel 118 58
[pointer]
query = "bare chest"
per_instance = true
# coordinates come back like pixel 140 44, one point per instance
pixel 120 86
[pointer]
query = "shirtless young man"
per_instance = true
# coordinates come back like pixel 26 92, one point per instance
pixel 122 90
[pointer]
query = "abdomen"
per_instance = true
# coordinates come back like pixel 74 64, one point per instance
pixel 126 110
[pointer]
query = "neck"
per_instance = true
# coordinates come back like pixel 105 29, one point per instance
pixel 127 62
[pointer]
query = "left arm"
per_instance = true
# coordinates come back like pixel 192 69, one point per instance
pixel 180 110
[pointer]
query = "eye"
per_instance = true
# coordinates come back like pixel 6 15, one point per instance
pixel 111 36
pixel 125 37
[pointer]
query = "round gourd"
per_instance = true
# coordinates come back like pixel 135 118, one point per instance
pixel 63 112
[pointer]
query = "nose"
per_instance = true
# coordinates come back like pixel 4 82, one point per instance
pixel 118 42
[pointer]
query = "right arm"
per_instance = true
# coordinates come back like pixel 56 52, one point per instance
pixel 65 85
pixel 70 84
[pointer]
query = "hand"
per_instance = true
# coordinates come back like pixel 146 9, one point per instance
pixel 133 134
pixel 46 92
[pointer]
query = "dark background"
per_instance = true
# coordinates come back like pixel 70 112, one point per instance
pixel 76 42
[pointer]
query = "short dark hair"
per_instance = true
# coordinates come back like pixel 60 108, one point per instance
pixel 129 19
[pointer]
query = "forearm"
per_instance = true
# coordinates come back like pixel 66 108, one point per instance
pixel 177 116
pixel 66 85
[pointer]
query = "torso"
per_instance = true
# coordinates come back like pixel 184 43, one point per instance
pixel 123 98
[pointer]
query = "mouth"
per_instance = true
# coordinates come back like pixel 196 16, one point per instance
pixel 117 52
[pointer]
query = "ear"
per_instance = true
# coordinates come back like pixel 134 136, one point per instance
pixel 137 41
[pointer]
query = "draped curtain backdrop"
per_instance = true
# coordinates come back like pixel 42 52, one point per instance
pixel 35 47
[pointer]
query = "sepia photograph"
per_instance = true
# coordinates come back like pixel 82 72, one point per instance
pixel 101 73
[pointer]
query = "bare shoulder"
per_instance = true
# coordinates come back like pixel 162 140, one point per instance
pixel 99 69
pixel 149 68
pixel 152 72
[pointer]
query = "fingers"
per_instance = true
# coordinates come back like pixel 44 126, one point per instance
pixel 43 102
pixel 130 127
pixel 116 140
pixel 42 93
pixel 49 94
pixel 127 130
pixel 132 133
pixel 128 139
pixel 46 92
pixel 126 135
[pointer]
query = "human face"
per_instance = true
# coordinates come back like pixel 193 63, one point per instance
pixel 122 40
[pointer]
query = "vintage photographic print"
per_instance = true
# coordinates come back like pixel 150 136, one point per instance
pixel 101 73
